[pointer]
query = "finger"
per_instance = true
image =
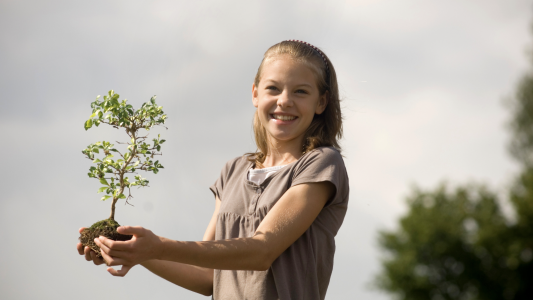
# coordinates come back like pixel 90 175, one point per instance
pixel 81 229
pixel 131 230
pixel 112 261
pixel 96 260
pixel 106 243
pixel 87 251
pixel 110 250
pixel 123 271
pixel 79 247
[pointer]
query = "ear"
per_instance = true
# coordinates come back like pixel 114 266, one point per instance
pixel 322 103
pixel 255 100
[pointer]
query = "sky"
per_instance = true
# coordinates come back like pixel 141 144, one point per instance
pixel 423 84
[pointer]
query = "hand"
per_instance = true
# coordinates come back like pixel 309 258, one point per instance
pixel 88 252
pixel 143 246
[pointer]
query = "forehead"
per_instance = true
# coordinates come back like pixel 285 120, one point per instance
pixel 288 68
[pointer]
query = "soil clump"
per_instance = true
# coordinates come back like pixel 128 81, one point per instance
pixel 107 228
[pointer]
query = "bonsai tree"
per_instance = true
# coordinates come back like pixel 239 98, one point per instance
pixel 138 156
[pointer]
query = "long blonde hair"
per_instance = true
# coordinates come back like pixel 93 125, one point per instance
pixel 326 128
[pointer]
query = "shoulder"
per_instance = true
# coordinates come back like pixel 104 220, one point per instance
pixel 236 164
pixel 320 162
pixel 230 171
pixel 322 156
pixel 326 153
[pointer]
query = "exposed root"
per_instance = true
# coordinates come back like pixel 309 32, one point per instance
pixel 107 228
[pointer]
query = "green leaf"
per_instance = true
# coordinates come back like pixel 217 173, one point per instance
pixel 103 181
pixel 104 198
pixel 88 124
pixel 121 196
pixel 102 189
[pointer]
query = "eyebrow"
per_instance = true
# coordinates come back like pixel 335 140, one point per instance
pixel 267 81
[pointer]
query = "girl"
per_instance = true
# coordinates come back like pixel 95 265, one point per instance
pixel 277 210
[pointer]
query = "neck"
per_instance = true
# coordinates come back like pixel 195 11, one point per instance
pixel 283 153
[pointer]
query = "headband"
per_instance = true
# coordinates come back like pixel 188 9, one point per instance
pixel 314 48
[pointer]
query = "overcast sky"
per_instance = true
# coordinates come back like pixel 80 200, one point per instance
pixel 423 83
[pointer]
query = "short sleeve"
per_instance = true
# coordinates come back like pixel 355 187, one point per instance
pixel 321 165
pixel 218 187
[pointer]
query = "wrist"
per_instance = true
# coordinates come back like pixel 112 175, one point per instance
pixel 160 248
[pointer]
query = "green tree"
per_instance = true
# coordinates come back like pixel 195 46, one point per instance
pixel 456 243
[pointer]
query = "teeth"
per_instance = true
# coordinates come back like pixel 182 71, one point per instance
pixel 284 118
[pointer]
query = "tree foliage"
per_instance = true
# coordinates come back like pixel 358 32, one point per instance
pixel 139 154
pixel 456 244
pixel 521 124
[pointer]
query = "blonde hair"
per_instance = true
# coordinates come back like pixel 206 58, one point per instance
pixel 326 128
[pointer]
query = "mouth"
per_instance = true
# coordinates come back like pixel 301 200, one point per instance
pixel 283 117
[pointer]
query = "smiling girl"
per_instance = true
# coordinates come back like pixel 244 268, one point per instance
pixel 277 210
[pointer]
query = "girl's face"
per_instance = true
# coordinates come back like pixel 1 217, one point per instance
pixel 287 98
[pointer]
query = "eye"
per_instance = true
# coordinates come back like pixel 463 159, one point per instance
pixel 300 91
pixel 271 87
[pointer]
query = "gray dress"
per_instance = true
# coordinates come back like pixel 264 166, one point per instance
pixel 303 270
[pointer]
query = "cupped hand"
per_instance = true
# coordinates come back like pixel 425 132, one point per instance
pixel 143 246
pixel 89 254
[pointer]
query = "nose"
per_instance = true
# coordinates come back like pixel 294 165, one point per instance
pixel 284 99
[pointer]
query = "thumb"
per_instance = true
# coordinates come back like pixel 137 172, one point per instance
pixel 131 230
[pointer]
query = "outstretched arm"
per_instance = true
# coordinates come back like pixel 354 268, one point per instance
pixel 193 278
pixel 284 224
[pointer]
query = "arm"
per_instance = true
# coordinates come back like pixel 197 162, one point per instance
pixel 284 224
pixel 193 278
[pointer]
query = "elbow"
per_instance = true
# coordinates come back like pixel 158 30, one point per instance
pixel 205 289
pixel 264 260
pixel 207 292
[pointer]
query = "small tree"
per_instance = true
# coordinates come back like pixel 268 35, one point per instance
pixel 452 245
pixel 138 156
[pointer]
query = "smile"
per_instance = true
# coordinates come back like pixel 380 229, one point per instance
pixel 283 117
